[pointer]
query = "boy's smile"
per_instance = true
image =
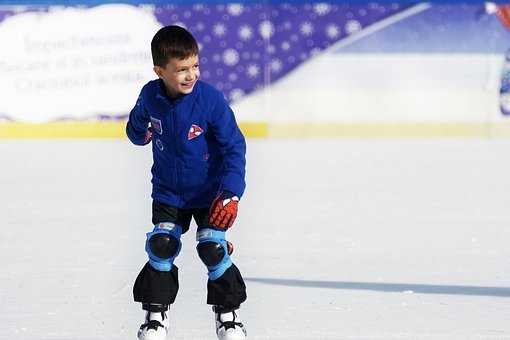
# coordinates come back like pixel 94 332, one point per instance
pixel 179 75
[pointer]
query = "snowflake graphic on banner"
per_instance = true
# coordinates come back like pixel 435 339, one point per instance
pixel 244 47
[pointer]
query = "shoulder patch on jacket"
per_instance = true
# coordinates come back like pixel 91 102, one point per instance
pixel 194 131
pixel 156 125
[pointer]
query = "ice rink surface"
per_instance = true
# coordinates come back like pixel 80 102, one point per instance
pixel 337 239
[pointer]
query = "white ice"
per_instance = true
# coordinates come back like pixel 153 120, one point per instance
pixel 337 239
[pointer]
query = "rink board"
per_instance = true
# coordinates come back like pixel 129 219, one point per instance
pixel 116 130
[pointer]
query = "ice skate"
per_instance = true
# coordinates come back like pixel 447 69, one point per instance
pixel 228 324
pixel 155 326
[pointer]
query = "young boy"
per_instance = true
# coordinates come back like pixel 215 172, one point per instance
pixel 198 171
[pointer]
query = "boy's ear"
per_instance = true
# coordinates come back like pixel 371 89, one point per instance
pixel 158 70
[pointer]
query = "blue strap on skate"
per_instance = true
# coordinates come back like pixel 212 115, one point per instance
pixel 174 231
pixel 216 236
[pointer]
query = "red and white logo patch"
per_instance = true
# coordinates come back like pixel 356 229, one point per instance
pixel 194 131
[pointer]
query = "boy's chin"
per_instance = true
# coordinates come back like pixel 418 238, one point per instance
pixel 186 90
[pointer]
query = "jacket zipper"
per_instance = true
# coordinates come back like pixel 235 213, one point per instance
pixel 176 144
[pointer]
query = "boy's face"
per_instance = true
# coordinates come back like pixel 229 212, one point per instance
pixel 179 75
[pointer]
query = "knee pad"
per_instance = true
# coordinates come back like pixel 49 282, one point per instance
pixel 163 245
pixel 214 252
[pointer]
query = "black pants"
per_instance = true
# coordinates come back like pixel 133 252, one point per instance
pixel 158 287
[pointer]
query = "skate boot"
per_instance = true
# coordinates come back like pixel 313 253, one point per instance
pixel 155 326
pixel 228 324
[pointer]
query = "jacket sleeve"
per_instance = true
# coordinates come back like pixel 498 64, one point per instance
pixel 232 146
pixel 138 123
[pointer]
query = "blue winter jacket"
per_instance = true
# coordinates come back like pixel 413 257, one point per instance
pixel 198 149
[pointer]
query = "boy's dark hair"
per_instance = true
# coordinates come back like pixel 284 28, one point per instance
pixel 172 42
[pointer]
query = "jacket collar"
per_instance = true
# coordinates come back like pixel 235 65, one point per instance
pixel 161 94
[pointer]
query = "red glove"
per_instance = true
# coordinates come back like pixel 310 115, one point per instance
pixel 503 13
pixel 148 136
pixel 223 211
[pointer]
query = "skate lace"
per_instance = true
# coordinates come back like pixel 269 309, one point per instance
pixel 230 324
pixel 152 324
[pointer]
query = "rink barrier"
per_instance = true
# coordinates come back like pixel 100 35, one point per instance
pixel 93 129
pixel 214 2
pixel 115 130
pixel 390 130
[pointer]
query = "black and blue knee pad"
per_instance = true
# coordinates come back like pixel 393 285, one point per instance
pixel 163 245
pixel 213 251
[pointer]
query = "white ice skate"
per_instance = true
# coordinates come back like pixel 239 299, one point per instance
pixel 228 325
pixel 155 327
